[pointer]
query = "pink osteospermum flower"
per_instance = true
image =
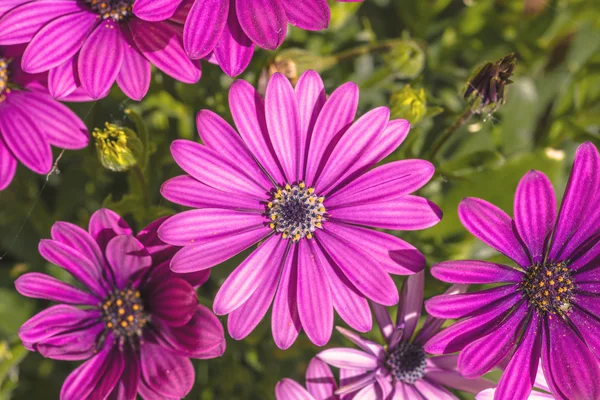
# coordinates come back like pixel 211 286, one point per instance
pixel 136 323
pixel 320 384
pixel 541 390
pixel 229 29
pixel 297 178
pixel 92 44
pixel 547 305
pixel 31 122
pixel 400 369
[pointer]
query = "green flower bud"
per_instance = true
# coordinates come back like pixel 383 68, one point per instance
pixel 119 148
pixel 409 103
pixel 405 58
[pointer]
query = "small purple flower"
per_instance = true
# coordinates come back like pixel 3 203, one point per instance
pixel 550 306
pixel 320 384
pixel 298 178
pixel 543 392
pixel 137 324
pixel 30 122
pixel 92 43
pixel 226 31
pixel 400 369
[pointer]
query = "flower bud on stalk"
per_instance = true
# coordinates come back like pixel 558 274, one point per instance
pixel 409 103
pixel 119 148
pixel 485 89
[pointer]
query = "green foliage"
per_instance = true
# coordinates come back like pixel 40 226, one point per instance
pixel 384 46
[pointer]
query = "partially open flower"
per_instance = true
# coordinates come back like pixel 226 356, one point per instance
pixel 485 88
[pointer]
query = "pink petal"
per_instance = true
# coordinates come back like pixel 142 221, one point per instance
pixel 135 73
pixel 287 389
pixel 204 26
pixel 264 21
pixel 312 15
pixel 234 50
pixel 155 10
pixel 285 322
pixel 346 358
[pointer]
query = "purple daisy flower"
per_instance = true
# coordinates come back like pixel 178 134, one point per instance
pixel 320 384
pixel 549 307
pixel 400 369
pixel 31 122
pixel 228 30
pixel 92 43
pixel 137 324
pixel 542 392
pixel 298 179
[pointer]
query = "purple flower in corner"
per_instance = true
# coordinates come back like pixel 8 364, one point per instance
pixel 549 305
pixel 320 384
pixel 400 369
pixel 298 179
pixel 227 30
pixel 541 392
pixel 30 122
pixel 92 44
pixel 137 324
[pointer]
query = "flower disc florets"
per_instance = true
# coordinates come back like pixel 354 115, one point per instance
pixel 118 10
pixel 124 314
pixel 3 78
pixel 296 211
pixel 407 362
pixel 548 287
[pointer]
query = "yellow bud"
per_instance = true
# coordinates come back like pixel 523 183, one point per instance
pixel 118 148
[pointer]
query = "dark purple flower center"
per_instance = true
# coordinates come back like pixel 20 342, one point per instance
pixel 118 10
pixel 124 315
pixel 296 211
pixel 407 362
pixel 3 78
pixel 548 287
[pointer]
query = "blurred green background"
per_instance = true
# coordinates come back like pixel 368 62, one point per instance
pixel 414 56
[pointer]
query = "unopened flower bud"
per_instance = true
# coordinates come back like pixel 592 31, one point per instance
pixel 118 147
pixel 486 88
pixel 409 103
pixel 405 58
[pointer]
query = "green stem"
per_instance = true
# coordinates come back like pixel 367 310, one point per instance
pixel 464 117
pixel 365 49
pixel 139 174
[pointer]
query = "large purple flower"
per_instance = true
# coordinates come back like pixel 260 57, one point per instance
pixel 92 43
pixel 136 323
pixel 320 384
pixel 30 122
pixel 298 179
pixel 400 369
pixel 550 306
pixel 228 30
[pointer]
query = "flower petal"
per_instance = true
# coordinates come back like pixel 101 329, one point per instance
pixel 78 239
pixel 126 257
pixel 127 387
pixel 453 306
pixel 494 227
pixel 475 272
pixel 287 389
pixel 8 165
pixel 346 358
pixel 312 15
pixel 41 286
pixel 155 10
pixel 263 21
pixel 63 79
pixel 234 50
pixel 370 347
pixel 166 373
pixel 105 224
pixel 320 382
pixel 411 303
pixel 285 322
pixel 135 72
pixel 204 26
pixel 174 301
pixel 72 345
pixel 535 213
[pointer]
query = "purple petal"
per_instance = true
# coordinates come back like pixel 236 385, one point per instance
pixel 160 43
pixel 370 347
pixel 213 251
pixel 8 164
pixel 32 148
pixel 105 43
pixel 174 301
pixel 58 41
pixel 287 389
pixel 492 226
pixel 333 121
pixel 475 272
pixel 246 278
pixel 8 4
pixel 41 286
pixel 450 378
pixel 204 26
pixel 346 358
pixel 459 335
pixel 215 170
pixel 219 136
pixel 155 10
pixel 126 257
pixel 353 380
pixel 72 345
pixel 312 15
pixel 264 21
pixel 404 213
pixel 384 320
pixel 283 123
pixel 234 50
pixel 95 378
pixel 135 73
pixel 365 273
pixel 315 305
pixel 248 111
pixel 20 24
pixel 78 239
pixel 485 353
pixel 587 324
pixel 158 250
pixel 63 79
pixel 285 322
pixel 535 212
pixel 571 369
pixel 411 303
pixel 431 390
pixel 351 147
pixel 127 387
pixel 77 264
pixel 462 305
pixel 519 376
pixel 105 224
pixel 200 226
pixel 166 373
pixel 320 382
pixel 387 182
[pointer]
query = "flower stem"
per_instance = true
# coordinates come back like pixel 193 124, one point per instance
pixel 365 49
pixel 139 174
pixel 464 117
